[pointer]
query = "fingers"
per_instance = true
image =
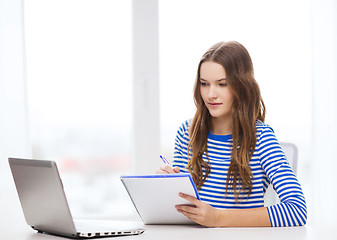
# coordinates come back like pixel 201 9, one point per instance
pixel 189 211
pixel 189 198
pixel 186 209
pixel 165 169
pixel 198 213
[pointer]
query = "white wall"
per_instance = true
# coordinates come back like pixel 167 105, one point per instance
pixel 324 99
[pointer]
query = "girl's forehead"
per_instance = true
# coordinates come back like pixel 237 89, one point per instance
pixel 211 71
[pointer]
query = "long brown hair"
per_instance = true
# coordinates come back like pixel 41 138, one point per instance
pixel 247 108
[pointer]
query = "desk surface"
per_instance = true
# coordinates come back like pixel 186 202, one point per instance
pixel 164 232
pixel 14 227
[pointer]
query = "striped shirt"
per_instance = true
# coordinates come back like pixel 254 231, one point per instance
pixel 268 165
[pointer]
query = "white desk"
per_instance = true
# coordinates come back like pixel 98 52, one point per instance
pixel 177 232
pixel 14 227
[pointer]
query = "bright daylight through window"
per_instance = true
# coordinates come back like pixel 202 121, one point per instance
pixel 79 90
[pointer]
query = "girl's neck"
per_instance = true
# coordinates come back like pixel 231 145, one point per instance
pixel 221 126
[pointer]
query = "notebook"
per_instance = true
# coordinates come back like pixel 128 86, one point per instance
pixel 155 196
pixel 45 205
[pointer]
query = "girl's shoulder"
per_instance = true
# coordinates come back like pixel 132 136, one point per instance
pixel 263 127
pixel 185 126
pixel 184 129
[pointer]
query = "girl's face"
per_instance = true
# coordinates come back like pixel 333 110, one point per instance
pixel 214 91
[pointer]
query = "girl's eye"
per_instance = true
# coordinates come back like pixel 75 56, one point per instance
pixel 223 84
pixel 203 84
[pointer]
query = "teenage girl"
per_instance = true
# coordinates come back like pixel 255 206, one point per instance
pixel 231 153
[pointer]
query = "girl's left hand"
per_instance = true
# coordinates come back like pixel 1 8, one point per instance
pixel 202 213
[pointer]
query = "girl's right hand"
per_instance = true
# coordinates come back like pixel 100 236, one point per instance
pixel 165 169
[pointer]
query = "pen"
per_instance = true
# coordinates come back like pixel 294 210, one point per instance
pixel 164 159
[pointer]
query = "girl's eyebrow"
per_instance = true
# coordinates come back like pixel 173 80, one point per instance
pixel 222 79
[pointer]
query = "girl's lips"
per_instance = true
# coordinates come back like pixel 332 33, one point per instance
pixel 214 104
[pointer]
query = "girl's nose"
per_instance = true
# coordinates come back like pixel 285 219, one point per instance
pixel 212 93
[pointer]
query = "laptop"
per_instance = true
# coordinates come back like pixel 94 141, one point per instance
pixel 46 208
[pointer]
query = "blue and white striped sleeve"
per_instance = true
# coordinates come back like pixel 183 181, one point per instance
pixel 292 210
pixel 180 158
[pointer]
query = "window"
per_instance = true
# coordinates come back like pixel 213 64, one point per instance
pixel 79 92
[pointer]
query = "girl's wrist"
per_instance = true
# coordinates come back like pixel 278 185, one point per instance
pixel 221 218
